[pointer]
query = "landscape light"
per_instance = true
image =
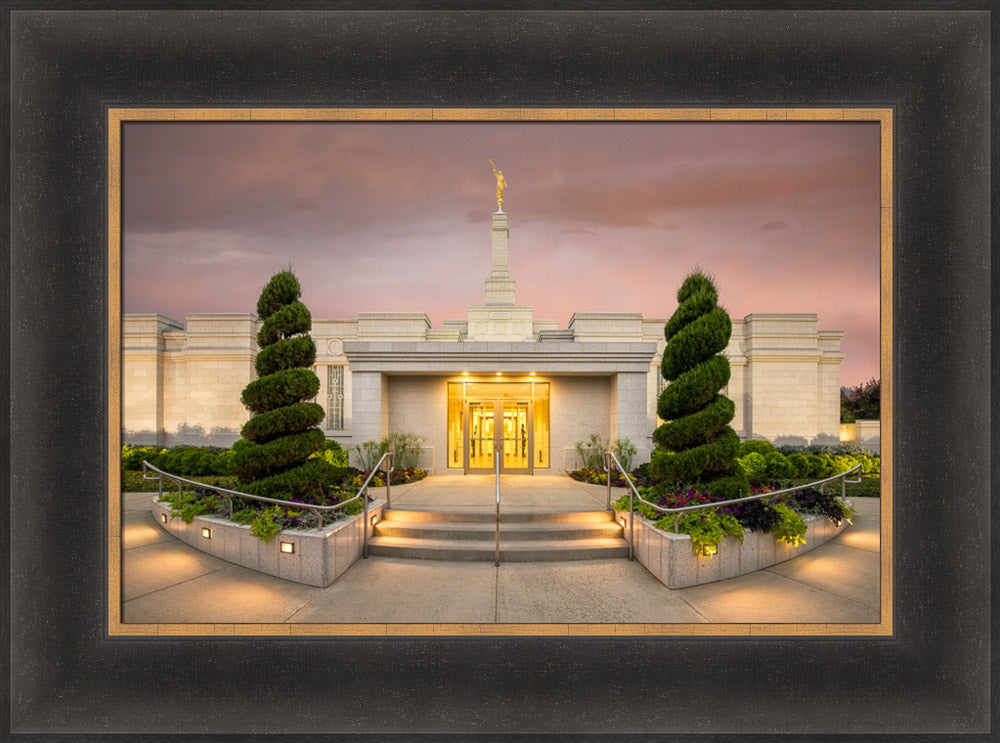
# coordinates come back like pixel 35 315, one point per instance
pixel 163 518
pixel 288 548
pixel 206 532
pixel 374 519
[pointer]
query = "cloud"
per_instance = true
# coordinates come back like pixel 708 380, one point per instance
pixel 603 216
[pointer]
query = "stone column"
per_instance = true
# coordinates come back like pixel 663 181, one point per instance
pixel 628 412
pixel 369 406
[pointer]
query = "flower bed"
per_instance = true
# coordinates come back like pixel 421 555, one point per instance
pixel 266 519
pixel 709 544
pixel 315 557
pixel 672 560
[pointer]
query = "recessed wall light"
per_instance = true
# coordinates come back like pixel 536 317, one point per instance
pixel 288 548
pixel 207 533
pixel 163 518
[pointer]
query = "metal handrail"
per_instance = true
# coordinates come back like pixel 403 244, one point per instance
pixel 496 544
pixel 317 511
pixel 633 494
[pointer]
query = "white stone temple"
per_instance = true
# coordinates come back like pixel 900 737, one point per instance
pixel 499 379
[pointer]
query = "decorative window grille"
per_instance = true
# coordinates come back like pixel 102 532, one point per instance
pixel 335 398
pixel 661 384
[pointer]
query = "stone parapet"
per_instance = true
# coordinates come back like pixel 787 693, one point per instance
pixel 589 327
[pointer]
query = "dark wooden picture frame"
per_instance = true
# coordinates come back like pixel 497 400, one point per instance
pixel 68 675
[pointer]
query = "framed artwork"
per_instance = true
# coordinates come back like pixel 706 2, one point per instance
pixel 170 164
pixel 79 78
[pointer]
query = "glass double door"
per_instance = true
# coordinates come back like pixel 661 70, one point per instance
pixel 499 425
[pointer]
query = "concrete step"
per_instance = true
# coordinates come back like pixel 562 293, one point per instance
pixel 481 531
pixel 525 536
pixel 512 551
pixel 488 516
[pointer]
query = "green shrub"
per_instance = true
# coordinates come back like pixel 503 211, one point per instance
pixel 311 476
pixel 291 418
pixel 369 453
pixel 254 461
pixel 790 527
pixel 287 320
pixel 405 448
pixel 132 482
pixel 705 527
pixel 625 450
pixel 299 351
pixel 265 523
pixel 591 453
pixel 755 466
pixel 274 457
pixel 696 445
pixel 332 452
pixel 133 456
pixel 778 467
pixel 756 446
pixel 800 463
pixel 278 390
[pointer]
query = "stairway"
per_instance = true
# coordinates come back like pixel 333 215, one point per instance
pixel 524 536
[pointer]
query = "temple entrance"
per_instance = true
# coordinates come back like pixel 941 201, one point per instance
pixel 497 425
pixel 509 417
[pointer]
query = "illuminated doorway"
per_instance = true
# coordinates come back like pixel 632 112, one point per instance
pixel 511 418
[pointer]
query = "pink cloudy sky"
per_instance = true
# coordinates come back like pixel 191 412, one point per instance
pixel 610 216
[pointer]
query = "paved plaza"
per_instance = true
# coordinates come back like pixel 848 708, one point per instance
pixel 167 582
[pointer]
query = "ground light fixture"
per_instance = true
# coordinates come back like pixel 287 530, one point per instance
pixel 288 548
pixel 206 532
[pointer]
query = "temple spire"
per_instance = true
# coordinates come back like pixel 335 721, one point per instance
pixel 499 285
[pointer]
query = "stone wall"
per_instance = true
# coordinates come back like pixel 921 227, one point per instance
pixel 864 433
pixel 183 385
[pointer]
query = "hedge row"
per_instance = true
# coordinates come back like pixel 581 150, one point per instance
pixel 187 461
pixel 763 463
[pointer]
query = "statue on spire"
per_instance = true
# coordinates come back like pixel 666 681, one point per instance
pixel 501 184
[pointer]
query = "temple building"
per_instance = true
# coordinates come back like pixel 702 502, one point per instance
pixel 497 379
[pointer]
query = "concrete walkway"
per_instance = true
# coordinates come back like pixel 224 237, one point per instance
pixel 167 582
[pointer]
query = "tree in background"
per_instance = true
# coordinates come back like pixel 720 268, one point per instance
pixel 862 402
pixel 273 457
pixel 696 447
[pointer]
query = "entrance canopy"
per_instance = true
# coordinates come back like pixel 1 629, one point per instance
pixel 552 357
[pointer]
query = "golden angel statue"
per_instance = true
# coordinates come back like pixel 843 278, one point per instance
pixel 501 184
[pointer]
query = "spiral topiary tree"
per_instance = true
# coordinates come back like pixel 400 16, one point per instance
pixel 273 457
pixel 696 446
